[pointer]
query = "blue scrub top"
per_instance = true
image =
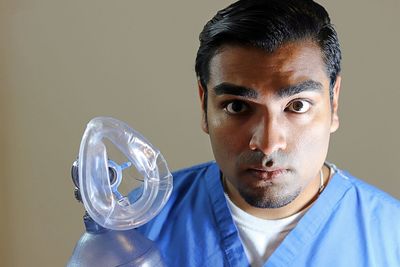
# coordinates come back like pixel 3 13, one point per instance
pixel 351 224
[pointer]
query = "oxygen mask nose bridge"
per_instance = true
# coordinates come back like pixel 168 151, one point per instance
pixel 100 177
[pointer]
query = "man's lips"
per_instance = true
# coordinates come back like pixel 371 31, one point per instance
pixel 267 173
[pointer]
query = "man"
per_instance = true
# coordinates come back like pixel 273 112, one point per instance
pixel 269 81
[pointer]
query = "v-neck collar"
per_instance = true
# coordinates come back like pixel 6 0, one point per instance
pixel 298 238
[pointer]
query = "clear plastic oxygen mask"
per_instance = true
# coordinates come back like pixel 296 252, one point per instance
pixel 100 177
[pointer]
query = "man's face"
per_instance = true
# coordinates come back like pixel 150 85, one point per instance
pixel 269 119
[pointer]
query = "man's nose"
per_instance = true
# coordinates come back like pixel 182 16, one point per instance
pixel 268 136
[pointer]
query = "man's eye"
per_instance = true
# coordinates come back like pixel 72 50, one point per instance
pixel 235 107
pixel 299 106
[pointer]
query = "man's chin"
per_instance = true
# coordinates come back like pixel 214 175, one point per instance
pixel 268 201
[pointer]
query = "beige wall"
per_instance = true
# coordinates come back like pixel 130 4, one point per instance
pixel 64 62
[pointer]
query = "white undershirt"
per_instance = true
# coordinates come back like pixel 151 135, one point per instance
pixel 261 237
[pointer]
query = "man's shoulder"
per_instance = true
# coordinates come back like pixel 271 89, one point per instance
pixel 194 168
pixel 192 182
pixel 189 201
pixel 195 171
pixel 370 218
pixel 369 193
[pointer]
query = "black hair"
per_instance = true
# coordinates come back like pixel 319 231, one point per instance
pixel 268 24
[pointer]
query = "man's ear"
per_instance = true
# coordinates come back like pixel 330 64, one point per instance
pixel 335 104
pixel 203 100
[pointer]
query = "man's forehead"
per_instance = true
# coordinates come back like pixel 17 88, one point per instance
pixel 290 63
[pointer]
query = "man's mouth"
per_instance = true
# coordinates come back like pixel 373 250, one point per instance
pixel 268 173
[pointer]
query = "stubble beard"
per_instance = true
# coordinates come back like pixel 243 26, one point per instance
pixel 267 198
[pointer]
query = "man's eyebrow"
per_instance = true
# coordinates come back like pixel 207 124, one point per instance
pixel 308 85
pixel 238 90
pixel 232 89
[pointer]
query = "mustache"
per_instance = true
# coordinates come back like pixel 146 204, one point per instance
pixel 259 158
